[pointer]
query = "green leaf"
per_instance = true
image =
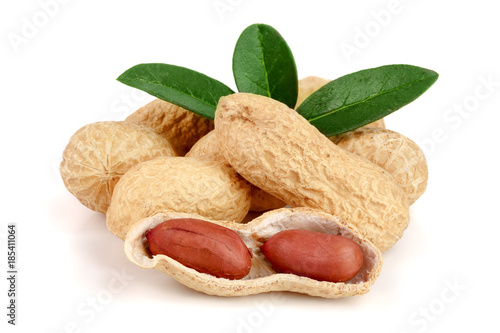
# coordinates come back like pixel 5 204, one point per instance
pixel 181 86
pixel 357 99
pixel 263 64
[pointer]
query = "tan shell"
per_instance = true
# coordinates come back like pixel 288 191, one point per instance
pixel 261 200
pixel 182 128
pixel 184 184
pixel 394 152
pixel 276 149
pixel 262 278
pixel 98 154
pixel 310 84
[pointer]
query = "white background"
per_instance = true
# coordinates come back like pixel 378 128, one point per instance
pixel 442 276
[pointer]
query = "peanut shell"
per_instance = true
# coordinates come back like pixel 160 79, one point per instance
pixel 394 152
pixel 182 128
pixel 98 154
pixel 262 278
pixel 276 149
pixel 184 184
pixel 261 200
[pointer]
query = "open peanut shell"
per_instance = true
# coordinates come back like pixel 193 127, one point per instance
pixel 262 278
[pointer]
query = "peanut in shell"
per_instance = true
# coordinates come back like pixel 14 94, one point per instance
pixel 98 154
pixel 276 149
pixel 262 278
pixel 394 152
pixel 184 184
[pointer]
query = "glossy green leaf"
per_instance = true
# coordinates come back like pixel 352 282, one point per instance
pixel 181 86
pixel 263 64
pixel 357 99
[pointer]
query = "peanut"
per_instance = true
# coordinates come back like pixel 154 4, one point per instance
pixel 203 246
pixel 261 200
pixel 182 128
pixel 394 152
pixel 184 184
pixel 276 149
pixel 98 155
pixel 315 255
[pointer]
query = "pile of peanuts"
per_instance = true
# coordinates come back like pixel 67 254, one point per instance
pixel 179 189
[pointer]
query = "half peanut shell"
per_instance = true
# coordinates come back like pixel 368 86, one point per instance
pixel 262 278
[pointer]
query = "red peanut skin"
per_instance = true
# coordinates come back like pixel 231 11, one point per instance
pixel 319 256
pixel 203 246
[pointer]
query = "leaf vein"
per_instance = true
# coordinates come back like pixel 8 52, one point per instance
pixel 366 99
